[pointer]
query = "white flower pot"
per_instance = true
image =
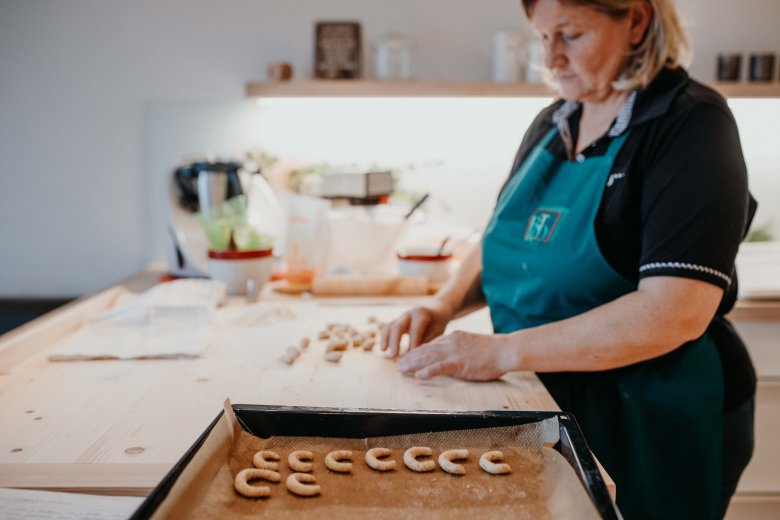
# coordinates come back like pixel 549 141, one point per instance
pixel 236 268
pixel 425 262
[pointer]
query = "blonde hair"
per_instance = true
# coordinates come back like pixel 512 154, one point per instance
pixel 663 46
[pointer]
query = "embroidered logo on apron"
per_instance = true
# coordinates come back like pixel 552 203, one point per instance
pixel 541 225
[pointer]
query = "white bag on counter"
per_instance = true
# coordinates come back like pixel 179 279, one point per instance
pixel 363 240
pixel 170 320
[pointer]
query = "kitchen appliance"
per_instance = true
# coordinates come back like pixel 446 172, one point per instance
pixel 204 185
pixel 201 187
pixel 360 188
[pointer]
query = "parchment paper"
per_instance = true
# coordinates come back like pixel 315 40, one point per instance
pixel 541 486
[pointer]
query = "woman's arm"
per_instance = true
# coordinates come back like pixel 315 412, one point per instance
pixel 461 294
pixel 694 210
pixel 662 314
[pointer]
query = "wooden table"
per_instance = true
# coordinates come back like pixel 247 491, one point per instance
pixel 116 427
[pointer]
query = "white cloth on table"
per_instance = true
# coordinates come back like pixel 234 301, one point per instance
pixel 170 320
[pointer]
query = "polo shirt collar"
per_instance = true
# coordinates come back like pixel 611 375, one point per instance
pixel 657 98
pixel 641 106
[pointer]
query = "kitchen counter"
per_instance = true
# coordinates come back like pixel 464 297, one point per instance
pixel 755 310
pixel 116 427
pixel 758 492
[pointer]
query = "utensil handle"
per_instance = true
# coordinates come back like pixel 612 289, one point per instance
pixel 416 206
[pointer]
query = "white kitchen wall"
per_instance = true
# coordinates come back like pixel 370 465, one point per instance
pixel 88 87
pixel 459 150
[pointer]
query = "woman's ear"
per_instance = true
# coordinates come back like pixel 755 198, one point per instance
pixel 640 15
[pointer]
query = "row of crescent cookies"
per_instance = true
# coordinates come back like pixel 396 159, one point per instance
pixel 302 483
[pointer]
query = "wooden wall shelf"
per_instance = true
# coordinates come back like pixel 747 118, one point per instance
pixel 748 90
pixel 444 89
pixel 368 88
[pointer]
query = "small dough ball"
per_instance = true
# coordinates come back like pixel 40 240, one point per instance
pixel 333 356
pixel 287 359
pixel 290 355
pixel 337 344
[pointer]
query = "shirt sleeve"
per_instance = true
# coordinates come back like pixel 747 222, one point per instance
pixel 695 201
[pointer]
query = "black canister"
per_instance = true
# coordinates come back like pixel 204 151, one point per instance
pixel 729 66
pixel 762 67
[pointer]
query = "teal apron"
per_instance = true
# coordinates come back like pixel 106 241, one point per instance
pixel 656 426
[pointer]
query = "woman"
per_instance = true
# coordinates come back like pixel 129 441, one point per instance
pixel 608 263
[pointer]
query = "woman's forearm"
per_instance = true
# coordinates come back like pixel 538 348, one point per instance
pixel 462 293
pixel 661 315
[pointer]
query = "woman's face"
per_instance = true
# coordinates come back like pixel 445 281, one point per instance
pixel 584 48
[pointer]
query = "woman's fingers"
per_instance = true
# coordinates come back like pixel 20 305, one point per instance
pixel 383 339
pixel 420 324
pixel 385 335
pixel 428 362
pixel 415 360
pixel 440 368
pixel 394 333
pixel 418 327
pixel 460 354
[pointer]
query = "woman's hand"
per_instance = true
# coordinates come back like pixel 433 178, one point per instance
pixel 476 357
pixel 422 324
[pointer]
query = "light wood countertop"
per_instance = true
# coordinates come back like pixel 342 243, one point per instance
pixel 77 425
pixel 116 427
pixel 756 310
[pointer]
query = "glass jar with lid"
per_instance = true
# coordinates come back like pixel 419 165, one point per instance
pixel 393 58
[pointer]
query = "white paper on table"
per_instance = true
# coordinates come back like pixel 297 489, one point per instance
pixel 18 504
pixel 133 309
pixel 172 320
pixel 257 315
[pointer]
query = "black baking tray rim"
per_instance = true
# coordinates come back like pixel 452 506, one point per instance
pixel 267 420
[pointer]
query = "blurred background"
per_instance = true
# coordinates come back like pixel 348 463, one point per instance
pixel 100 100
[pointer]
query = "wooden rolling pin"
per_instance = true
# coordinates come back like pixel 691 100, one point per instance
pixel 369 286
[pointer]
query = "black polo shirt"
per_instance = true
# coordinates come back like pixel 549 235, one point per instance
pixel 676 202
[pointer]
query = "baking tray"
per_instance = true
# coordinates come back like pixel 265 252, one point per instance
pixel 266 421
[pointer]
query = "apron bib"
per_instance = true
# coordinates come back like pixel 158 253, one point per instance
pixel 656 426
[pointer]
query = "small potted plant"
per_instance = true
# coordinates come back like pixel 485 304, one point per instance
pixel 237 252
